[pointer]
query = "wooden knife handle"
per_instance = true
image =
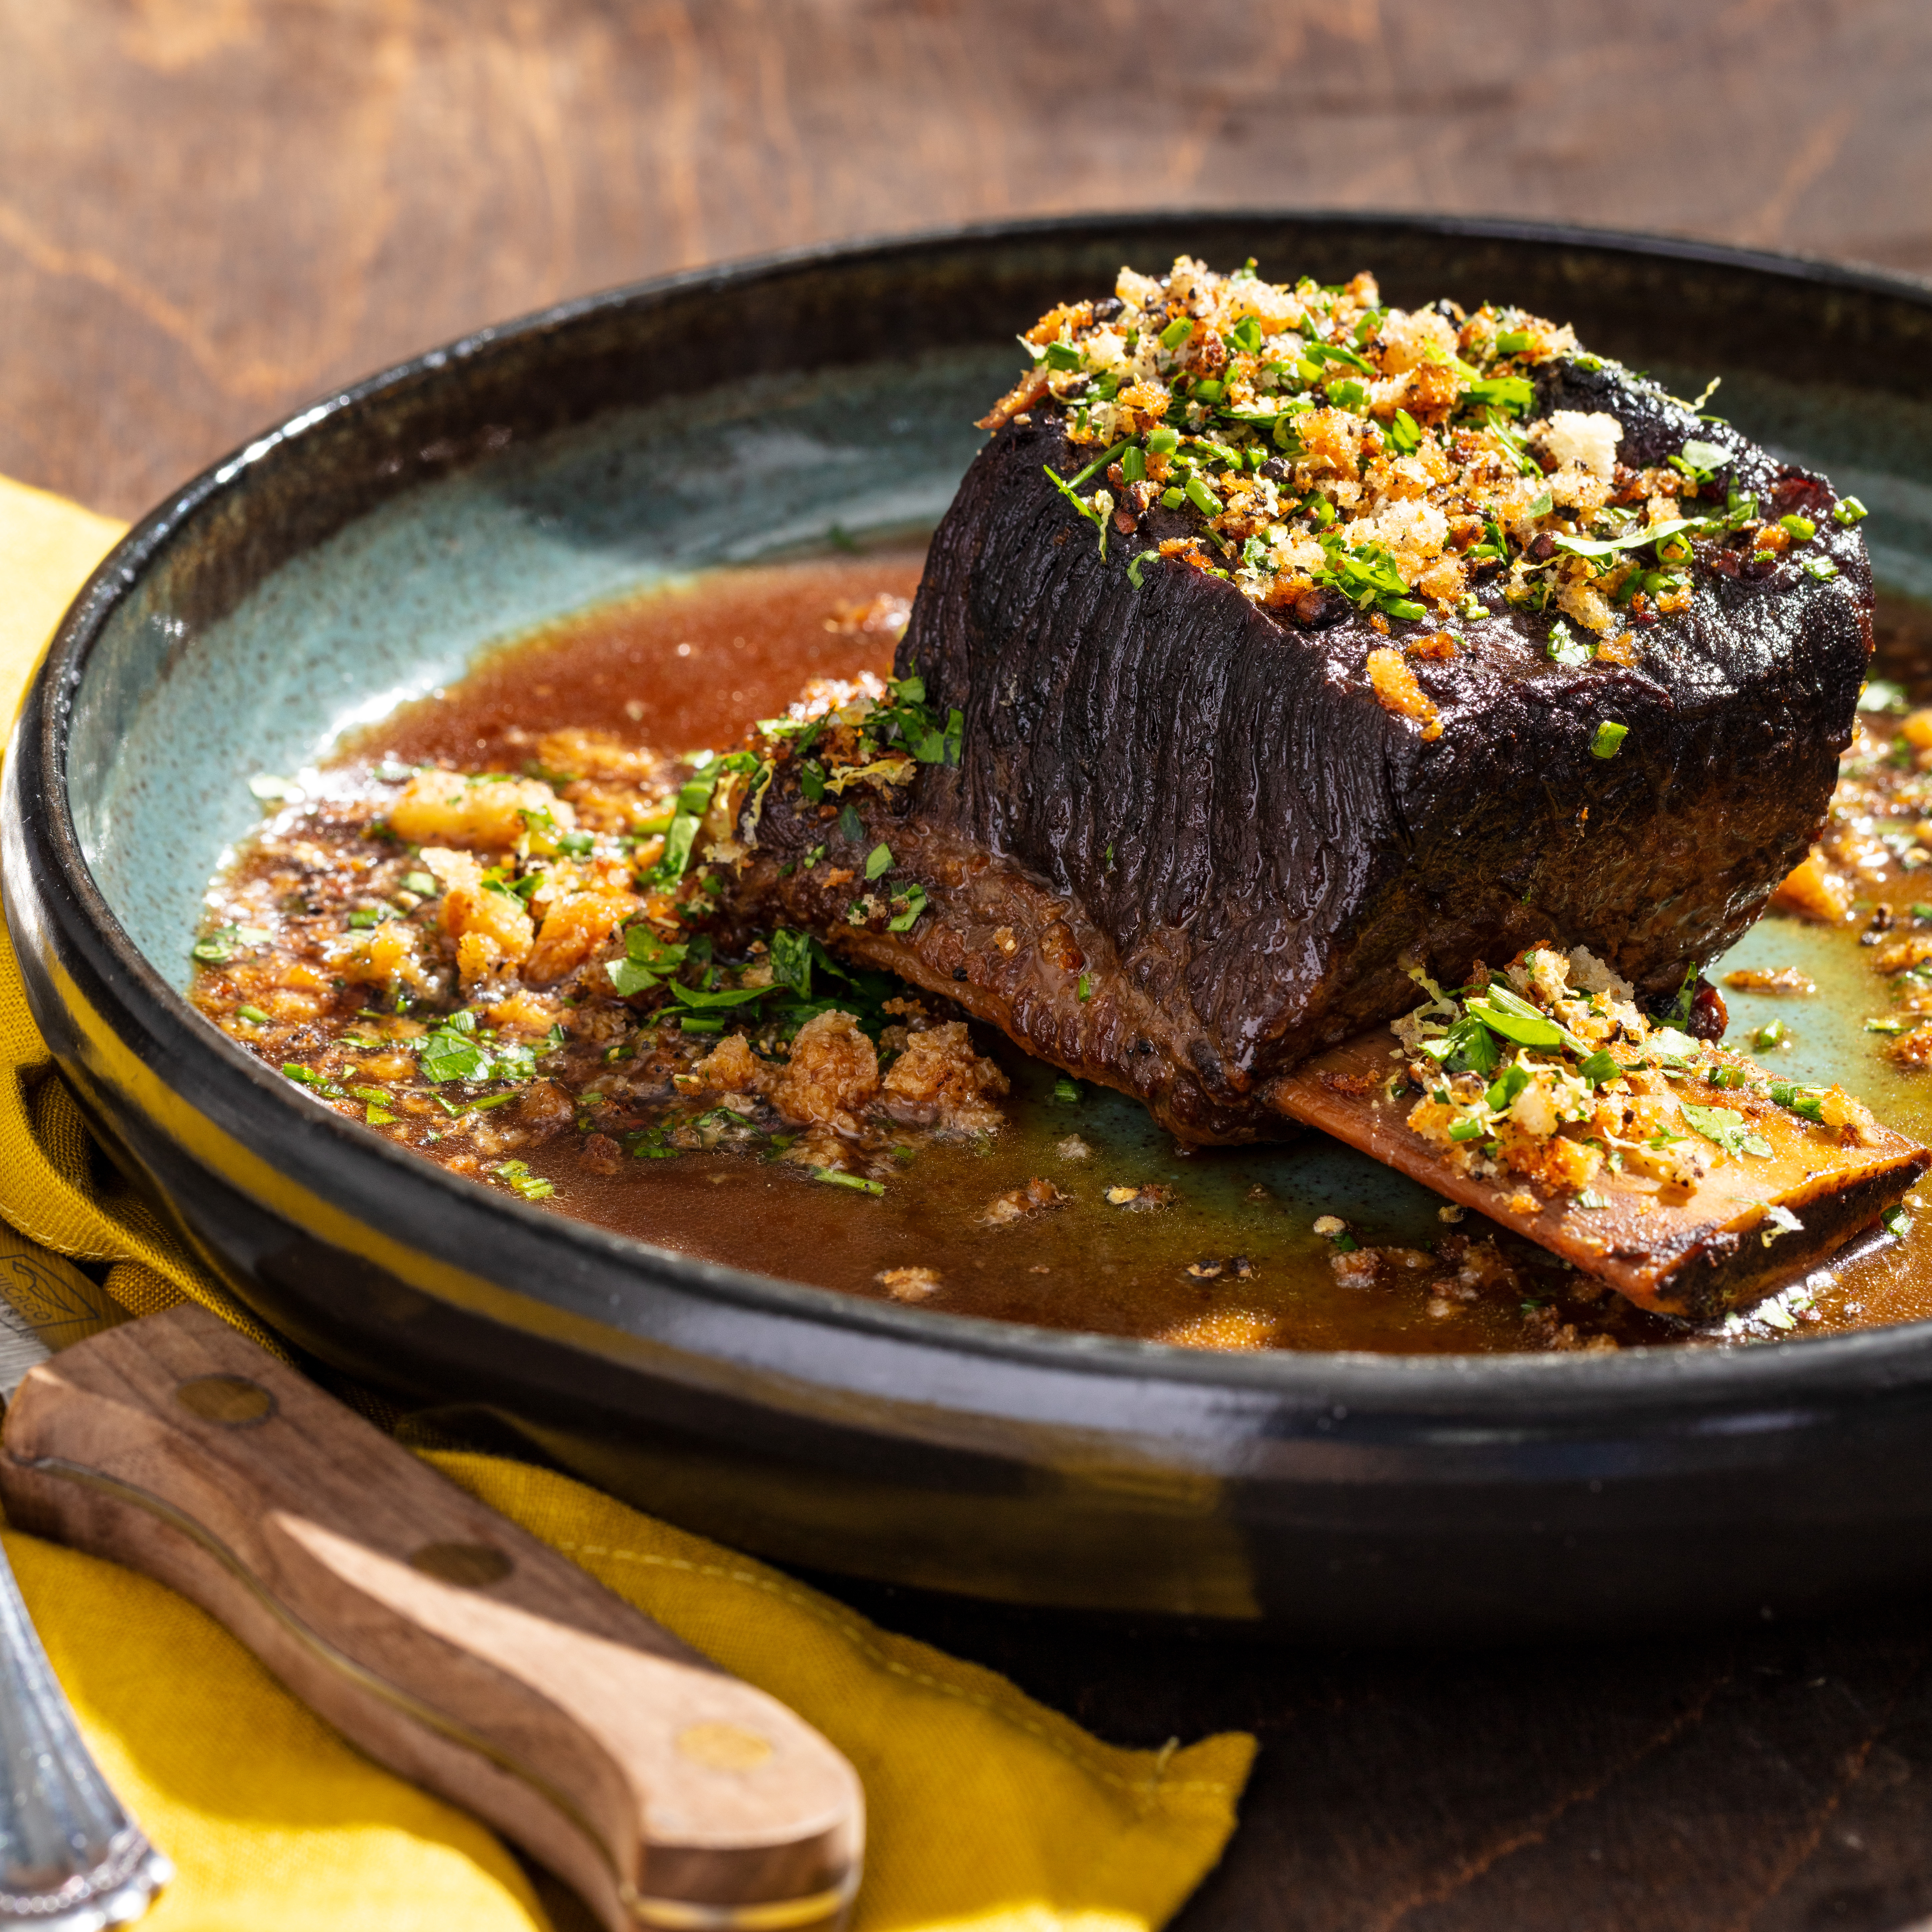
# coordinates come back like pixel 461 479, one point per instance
pixel 447 1642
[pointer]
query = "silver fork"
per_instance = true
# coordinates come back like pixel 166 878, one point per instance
pixel 71 1859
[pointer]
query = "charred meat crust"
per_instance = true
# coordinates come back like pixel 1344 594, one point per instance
pixel 1252 849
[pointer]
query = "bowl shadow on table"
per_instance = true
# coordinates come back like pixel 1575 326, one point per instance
pixel 1777 1774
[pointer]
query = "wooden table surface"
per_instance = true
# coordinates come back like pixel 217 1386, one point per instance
pixel 211 210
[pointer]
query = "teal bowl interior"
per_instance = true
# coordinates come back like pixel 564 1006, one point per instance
pixel 400 601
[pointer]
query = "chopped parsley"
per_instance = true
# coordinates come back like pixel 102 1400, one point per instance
pixel 1565 647
pixel 648 960
pixel 1194 391
pixel 1726 1127
pixel 451 1052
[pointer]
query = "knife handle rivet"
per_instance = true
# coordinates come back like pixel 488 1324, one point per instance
pixel 469 1566
pixel 231 1402
pixel 723 1747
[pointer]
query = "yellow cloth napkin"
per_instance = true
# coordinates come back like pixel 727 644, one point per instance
pixel 987 1810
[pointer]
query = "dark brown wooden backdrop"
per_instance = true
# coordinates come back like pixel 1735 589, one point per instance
pixel 212 210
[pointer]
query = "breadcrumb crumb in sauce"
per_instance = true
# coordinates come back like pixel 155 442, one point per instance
pixel 483 931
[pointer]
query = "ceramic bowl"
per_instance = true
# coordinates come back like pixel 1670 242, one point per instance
pixel 361 553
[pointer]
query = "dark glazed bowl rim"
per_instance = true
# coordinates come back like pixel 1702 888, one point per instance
pixel 1557 1387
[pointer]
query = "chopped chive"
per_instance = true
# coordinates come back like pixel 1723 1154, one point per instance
pixel 1203 499
pixel 1848 511
pixel 218 948
pixel 836 1177
pixel 253 1016
pixel 1801 529
pixel 1172 500
pixel 904 922
pixel 1086 988
pixel 1066 1092
pixel 1134 567
pixel 1162 441
pixel 1177 331
pixel 1608 740
pixel 1808 1102
pixel 1093 469
pixel 1133 463
pixel 1896 1222
pixel 1822 568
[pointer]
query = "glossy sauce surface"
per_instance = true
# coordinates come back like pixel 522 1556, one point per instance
pixel 1215 1248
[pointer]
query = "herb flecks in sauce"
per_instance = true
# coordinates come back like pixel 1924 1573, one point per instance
pixel 559 1103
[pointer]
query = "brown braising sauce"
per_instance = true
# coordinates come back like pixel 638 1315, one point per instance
pixel 1075 1213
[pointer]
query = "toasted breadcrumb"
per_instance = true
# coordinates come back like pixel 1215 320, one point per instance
pixel 481 814
pixel 1813 890
pixel 908 1284
pixel 833 1073
pixel 1018 1202
pixel 1771 979
pixel 1396 686
pixel 939 1072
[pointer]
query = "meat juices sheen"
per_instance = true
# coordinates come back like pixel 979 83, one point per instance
pixel 1187 844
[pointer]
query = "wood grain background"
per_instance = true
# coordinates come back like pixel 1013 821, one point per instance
pixel 211 210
